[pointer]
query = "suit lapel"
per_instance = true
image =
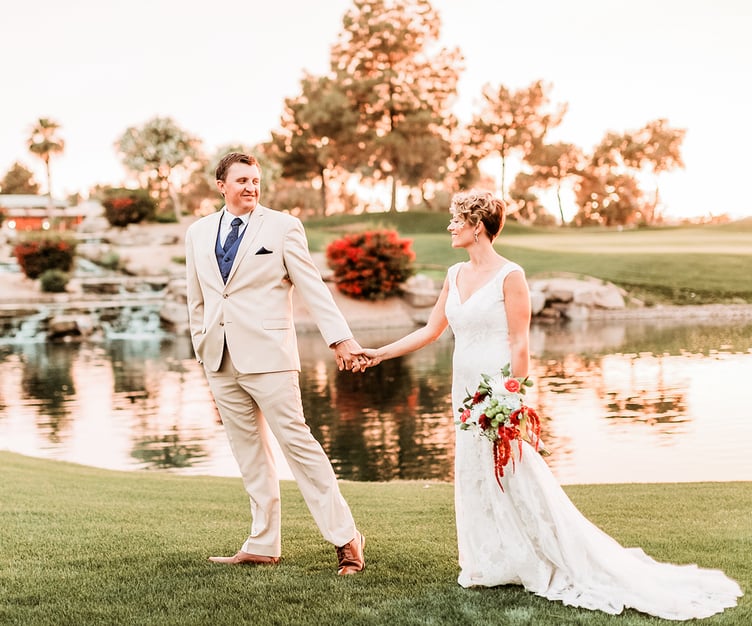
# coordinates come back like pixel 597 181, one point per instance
pixel 209 243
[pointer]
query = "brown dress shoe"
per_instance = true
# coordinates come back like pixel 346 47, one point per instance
pixel 350 556
pixel 245 558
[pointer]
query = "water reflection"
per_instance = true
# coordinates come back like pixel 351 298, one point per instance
pixel 621 402
pixel 645 401
pixel 639 390
pixel 391 422
pixel 47 380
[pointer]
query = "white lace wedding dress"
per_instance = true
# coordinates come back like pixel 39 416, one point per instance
pixel 531 534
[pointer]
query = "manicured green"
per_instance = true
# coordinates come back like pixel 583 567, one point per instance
pixel 83 546
pixel 681 265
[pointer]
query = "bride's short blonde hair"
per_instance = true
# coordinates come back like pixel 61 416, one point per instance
pixel 476 206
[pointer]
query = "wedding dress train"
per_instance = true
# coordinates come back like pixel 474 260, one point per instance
pixel 530 533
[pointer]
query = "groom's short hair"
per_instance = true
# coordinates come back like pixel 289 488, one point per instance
pixel 234 157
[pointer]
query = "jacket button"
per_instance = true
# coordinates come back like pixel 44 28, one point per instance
pixel 221 323
pixel 225 296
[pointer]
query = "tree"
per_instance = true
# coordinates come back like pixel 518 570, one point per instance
pixel 19 180
pixel 44 142
pixel 513 121
pixel 658 150
pixel 607 198
pixel 464 168
pixel 294 197
pixel 198 192
pixel 653 149
pixel 401 87
pixel 552 164
pixel 427 155
pixel 316 125
pixel 528 208
pixel 162 155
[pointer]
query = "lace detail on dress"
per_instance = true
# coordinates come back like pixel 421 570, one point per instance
pixel 531 533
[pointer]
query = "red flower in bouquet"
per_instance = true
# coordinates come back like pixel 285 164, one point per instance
pixel 512 385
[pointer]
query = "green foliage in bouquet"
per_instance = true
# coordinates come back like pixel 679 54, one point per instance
pixel 371 265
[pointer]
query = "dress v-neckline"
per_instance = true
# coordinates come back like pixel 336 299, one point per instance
pixel 483 286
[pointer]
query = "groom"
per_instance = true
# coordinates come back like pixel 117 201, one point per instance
pixel 242 264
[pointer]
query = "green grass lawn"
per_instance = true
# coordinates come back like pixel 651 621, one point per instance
pixel 680 265
pixel 80 545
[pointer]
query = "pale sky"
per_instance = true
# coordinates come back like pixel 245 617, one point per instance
pixel 222 71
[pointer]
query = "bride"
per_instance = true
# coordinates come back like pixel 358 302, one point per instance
pixel 531 533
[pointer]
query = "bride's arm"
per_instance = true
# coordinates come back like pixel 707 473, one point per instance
pixel 517 306
pixel 436 324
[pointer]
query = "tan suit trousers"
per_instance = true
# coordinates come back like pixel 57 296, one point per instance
pixel 246 404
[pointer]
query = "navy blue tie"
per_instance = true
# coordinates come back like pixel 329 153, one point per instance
pixel 233 236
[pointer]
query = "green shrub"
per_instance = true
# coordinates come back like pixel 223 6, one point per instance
pixel 109 260
pixel 54 281
pixel 165 217
pixel 127 206
pixel 40 252
pixel 372 264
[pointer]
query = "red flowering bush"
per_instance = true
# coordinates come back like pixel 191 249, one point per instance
pixel 372 264
pixel 38 253
pixel 127 206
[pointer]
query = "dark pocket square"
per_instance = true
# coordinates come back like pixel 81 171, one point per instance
pixel 263 250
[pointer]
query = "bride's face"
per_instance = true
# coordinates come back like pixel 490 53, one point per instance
pixel 462 233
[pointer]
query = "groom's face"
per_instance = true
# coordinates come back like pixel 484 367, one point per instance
pixel 241 188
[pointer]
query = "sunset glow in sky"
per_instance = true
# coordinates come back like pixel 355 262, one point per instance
pixel 222 72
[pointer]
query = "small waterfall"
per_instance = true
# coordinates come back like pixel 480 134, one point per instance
pixel 31 329
pixel 105 305
pixel 135 324
pixel 139 323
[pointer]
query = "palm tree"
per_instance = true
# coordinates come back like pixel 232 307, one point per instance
pixel 44 142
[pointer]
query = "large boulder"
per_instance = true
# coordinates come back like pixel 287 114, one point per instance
pixel 574 297
pixel 537 301
pixel 67 326
pixel 420 291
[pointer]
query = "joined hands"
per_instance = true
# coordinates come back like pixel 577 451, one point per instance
pixel 352 357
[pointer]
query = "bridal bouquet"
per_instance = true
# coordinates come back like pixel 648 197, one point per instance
pixel 498 411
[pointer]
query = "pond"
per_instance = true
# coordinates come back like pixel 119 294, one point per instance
pixel 620 401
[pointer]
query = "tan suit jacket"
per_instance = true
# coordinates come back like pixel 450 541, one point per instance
pixel 252 313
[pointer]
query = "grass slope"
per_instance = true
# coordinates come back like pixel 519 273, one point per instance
pixel 81 545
